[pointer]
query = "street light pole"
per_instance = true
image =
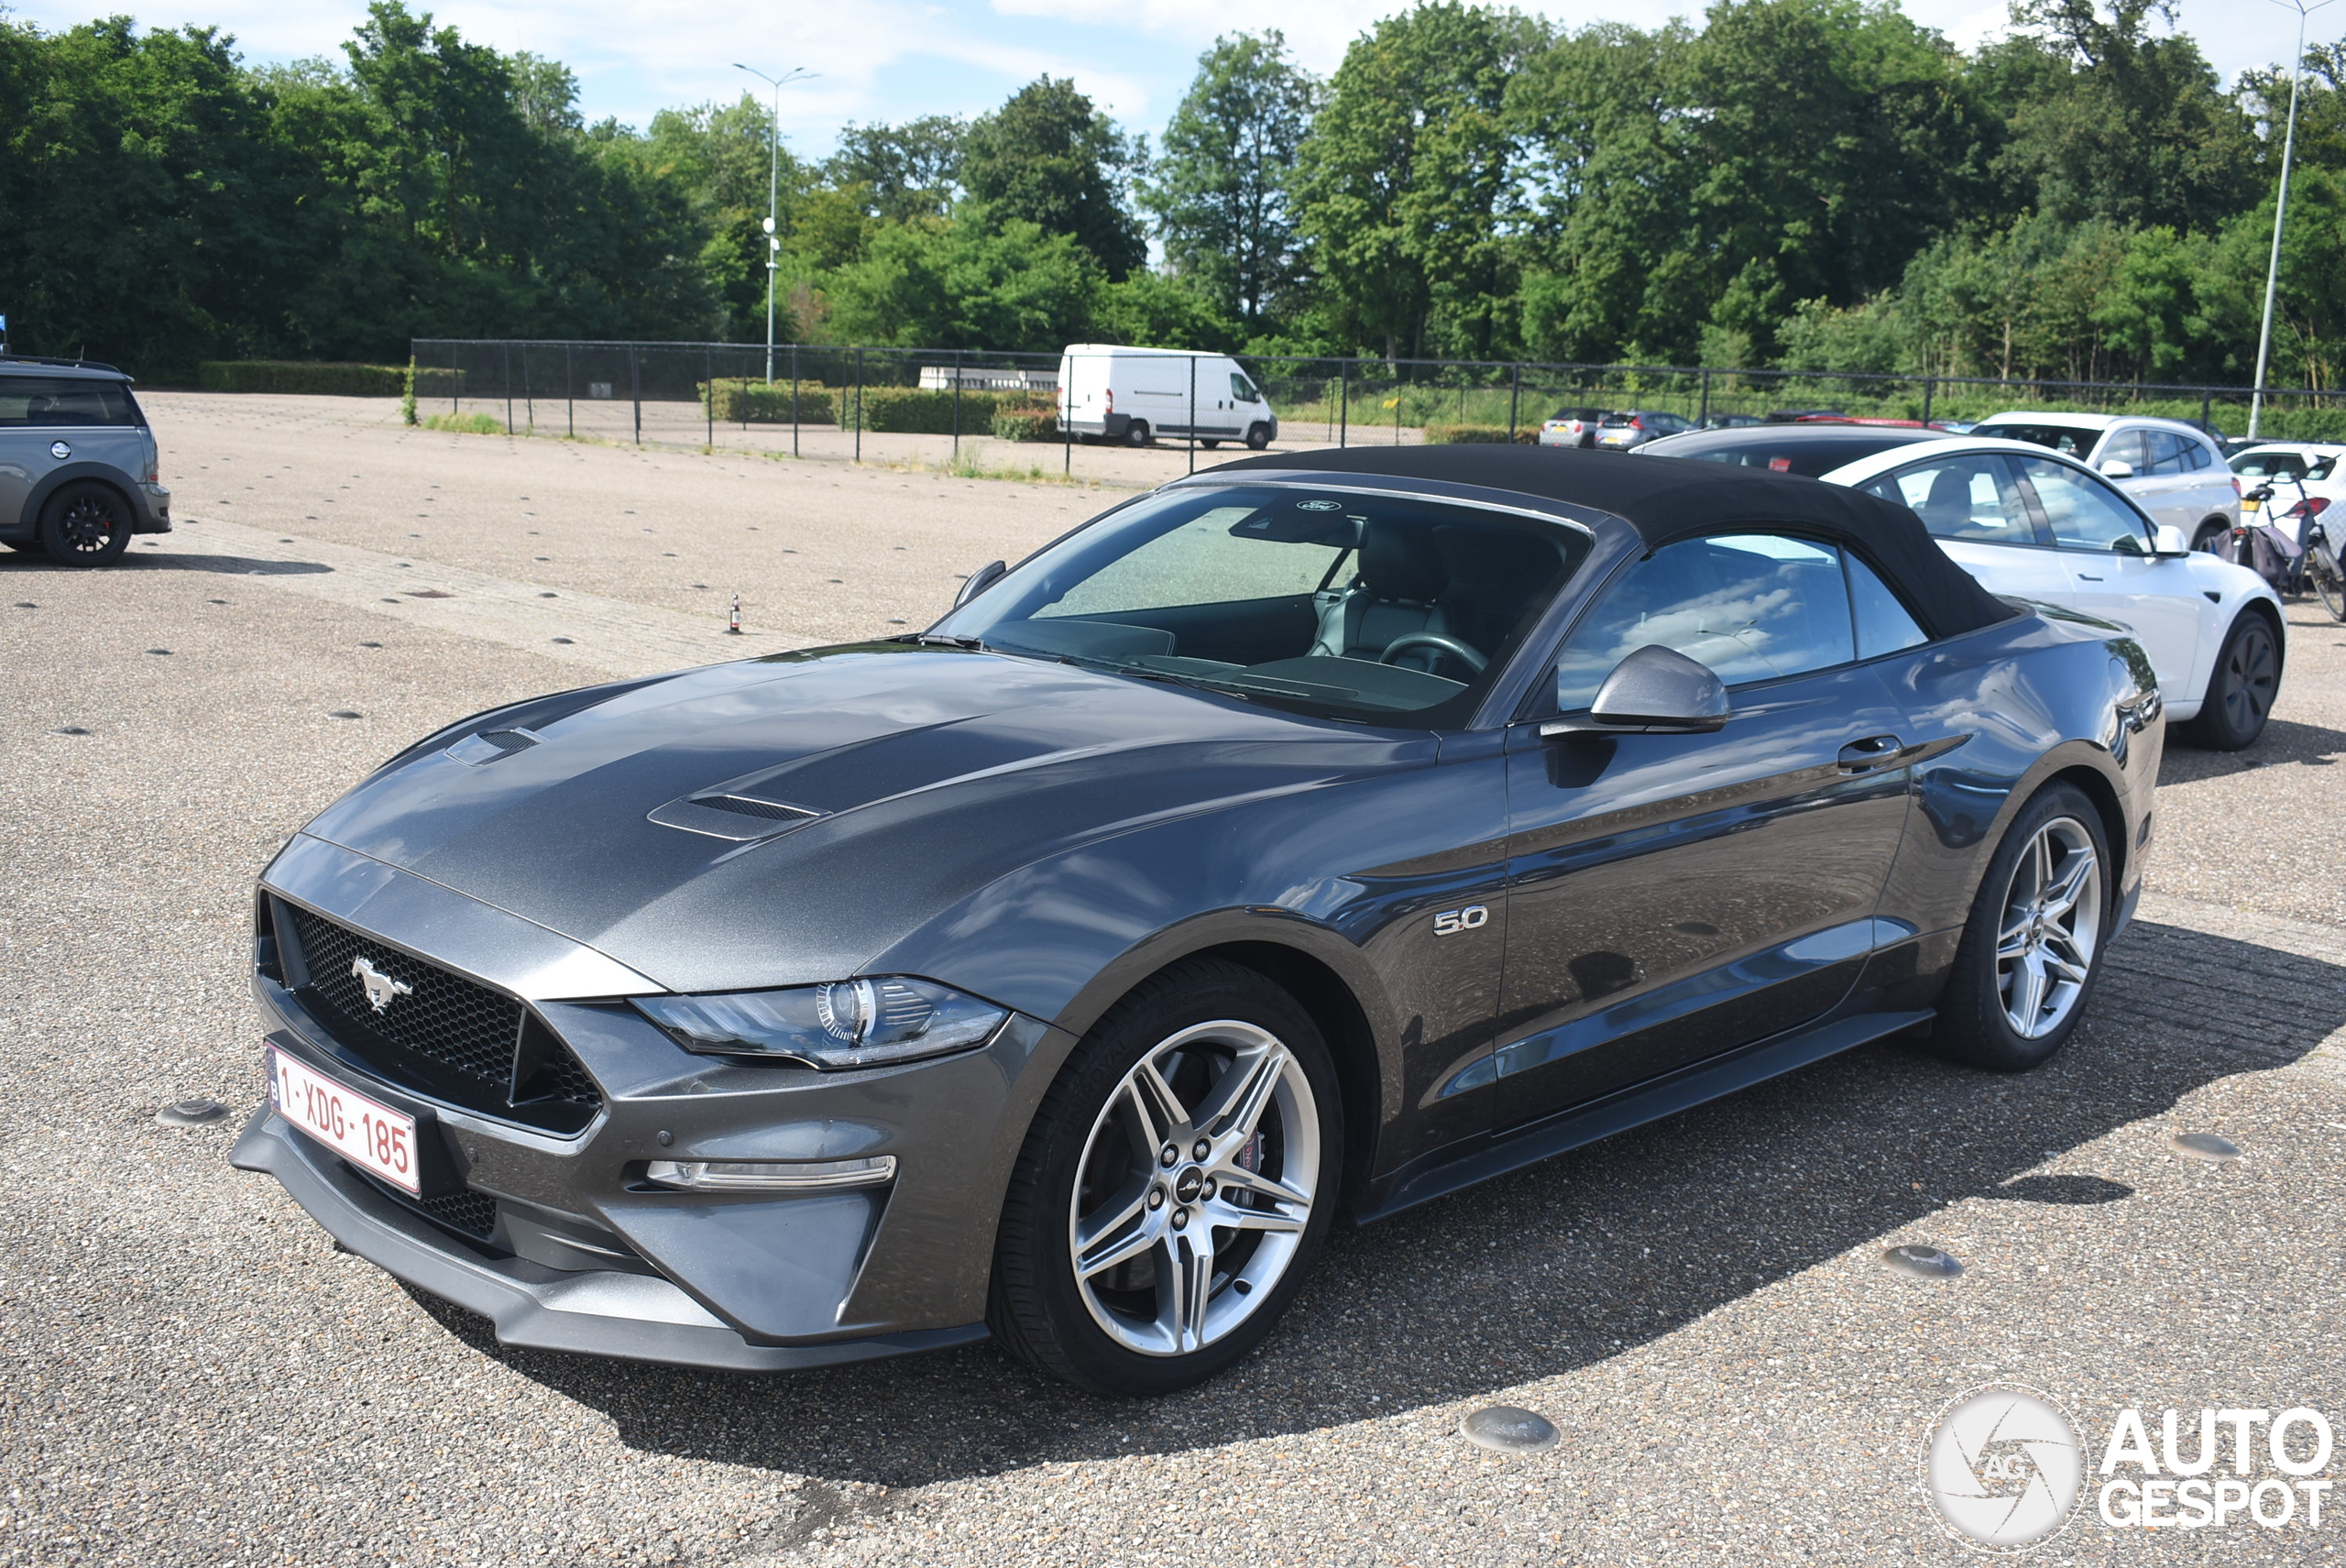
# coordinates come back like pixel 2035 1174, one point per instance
pixel 2280 215
pixel 773 194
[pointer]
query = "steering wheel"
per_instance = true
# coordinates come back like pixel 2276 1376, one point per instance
pixel 1450 645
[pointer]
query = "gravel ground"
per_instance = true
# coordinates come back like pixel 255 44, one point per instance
pixel 194 1375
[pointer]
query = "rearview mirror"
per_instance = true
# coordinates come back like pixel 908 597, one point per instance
pixel 2167 540
pixel 2118 468
pixel 1654 691
pixel 978 582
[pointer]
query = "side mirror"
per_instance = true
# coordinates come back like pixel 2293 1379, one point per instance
pixel 2118 468
pixel 978 582
pixel 1654 691
pixel 2167 540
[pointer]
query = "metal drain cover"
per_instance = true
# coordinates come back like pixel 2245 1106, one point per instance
pixel 1919 1262
pixel 1509 1430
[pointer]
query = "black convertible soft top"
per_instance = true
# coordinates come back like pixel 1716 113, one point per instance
pixel 1669 501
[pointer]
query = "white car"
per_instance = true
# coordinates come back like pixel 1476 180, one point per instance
pixel 1571 427
pixel 2290 468
pixel 2172 469
pixel 2034 524
pixel 1112 392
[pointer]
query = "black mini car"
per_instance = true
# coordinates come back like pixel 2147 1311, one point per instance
pixel 1319 836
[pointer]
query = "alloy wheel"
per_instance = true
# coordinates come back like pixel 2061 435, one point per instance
pixel 2246 683
pixel 2051 929
pixel 87 526
pixel 1196 1186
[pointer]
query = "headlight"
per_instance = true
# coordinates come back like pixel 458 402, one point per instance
pixel 849 1023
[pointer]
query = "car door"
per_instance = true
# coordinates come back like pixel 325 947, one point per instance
pixel 2105 546
pixel 1669 896
pixel 1972 504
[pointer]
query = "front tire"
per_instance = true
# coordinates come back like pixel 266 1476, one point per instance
pixel 2327 586
pixel 1175 1184
pixel 2242 688
pixel 1258 436
pixel 85 524
pixel 2032 950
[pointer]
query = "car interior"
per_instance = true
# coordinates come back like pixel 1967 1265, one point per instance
pixel 1357 601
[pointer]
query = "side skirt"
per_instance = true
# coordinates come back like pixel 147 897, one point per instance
pixel 1448 1170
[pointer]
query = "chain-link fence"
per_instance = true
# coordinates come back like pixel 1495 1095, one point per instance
pixel 1001 414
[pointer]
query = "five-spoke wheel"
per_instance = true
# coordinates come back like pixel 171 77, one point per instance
pixel 1172 1189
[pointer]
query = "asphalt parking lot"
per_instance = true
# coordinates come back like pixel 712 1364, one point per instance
pixel 192 1374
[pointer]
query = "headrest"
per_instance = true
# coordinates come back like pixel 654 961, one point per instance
pixel 1496 563
pixel 1400 562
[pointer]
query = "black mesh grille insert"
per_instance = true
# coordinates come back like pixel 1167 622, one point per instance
pixel 438 1016
pixel 473 1212
pixel 437 1032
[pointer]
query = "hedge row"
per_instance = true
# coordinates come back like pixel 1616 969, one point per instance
pixel 295 375
pixel 1027 424
pixel 906 411
pixel 1480 435
pixel 752 401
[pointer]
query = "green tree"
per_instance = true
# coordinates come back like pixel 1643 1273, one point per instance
pixel 975 281
pixel 910 170
pixel 1219 189
pixel 1049 158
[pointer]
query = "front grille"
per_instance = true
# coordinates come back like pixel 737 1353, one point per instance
pixel 474 1214
pixel 446 1034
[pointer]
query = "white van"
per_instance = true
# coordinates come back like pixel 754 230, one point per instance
pixel 1134 395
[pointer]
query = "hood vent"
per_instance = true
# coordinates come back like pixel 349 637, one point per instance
pixel 478 750
pixel 738 817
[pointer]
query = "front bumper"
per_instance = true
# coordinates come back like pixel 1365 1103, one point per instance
pixel 582 1253
pixel 637 1317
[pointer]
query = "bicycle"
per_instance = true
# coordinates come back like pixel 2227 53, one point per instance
pixel 2311 562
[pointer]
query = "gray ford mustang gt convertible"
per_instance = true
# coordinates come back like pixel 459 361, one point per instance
pixel 1317 836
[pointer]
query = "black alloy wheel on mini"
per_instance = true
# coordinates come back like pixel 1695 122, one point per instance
pixel 1175 1184
pixel 85 524
pixel 2032 950
pixel 2242 688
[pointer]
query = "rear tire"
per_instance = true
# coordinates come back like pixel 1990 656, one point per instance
pixel 85 524
pixel 1136 433
pixel 2032 950
pixel 2210 536
pixel 1203 1253
pixel 2328 585
pixel 2242 688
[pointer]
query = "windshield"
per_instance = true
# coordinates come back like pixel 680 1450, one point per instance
pixel 2282 463
pixel 1787 449
pixel 1378 608
pixel 2070 440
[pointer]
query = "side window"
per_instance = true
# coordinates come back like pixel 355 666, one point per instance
pixel 27 401
pixel 2166 451
pixel 1969 497
pixel 1244 390
pixel 1751 606
pixel 2085 513
pixel 1883 625
pixel 2126 447
pixel 2195 456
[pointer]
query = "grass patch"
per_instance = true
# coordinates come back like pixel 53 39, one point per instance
pixel 465 425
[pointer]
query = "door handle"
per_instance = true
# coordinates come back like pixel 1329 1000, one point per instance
pixel 1864 756
pixel 2088 577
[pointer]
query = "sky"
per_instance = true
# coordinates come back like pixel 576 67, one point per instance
pixel 893 59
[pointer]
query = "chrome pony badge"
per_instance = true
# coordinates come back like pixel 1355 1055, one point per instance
pixel 381 989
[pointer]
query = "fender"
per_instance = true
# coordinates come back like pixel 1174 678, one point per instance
pixel 65 474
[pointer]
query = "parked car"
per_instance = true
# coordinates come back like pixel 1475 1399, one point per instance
pixel 1111 392
pixel 2174 471
pixel 2291 466
pixel 1252 854
pixel 1571 427
pixel 2042 526
pixel 1626 429
pixel 77 463
pixel 1731 422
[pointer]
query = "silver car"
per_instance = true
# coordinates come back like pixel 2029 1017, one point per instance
pixel 2170 469
pixel 78 463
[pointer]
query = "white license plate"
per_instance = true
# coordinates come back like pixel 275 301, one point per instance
pixel 368 1134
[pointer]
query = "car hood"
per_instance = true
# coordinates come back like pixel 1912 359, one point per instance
pixel 901 778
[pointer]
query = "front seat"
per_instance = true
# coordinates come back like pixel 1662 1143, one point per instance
pixel 1397 590
pixel 1946 511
